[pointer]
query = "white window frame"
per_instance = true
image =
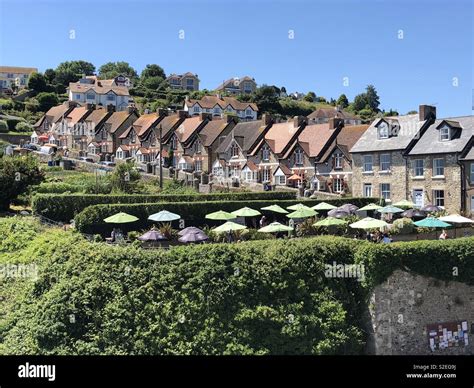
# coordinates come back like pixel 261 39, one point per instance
pixel 385 165
pixel 472 173
pixel 366 163
pixel 367 190
pixel 338 158
pixel 299 157
pixel 280 180
pixel 385 190
pixel 338 185
pixel 445 133
pixel 438 170
pixel 438 199
pixel 265 152
pixel 418 166
pixel 383 131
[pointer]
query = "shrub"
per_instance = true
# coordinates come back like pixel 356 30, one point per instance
pixel 403 226
pixel 90 220
pixel 3 126
pixel 23 127
pixel 65 207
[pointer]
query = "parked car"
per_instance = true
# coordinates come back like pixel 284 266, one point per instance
pixel 86 159
pixel 32 147
pixel 107 163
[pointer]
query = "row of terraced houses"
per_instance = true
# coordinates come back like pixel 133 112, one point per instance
pixel 418 157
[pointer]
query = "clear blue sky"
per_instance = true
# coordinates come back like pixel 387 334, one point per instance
pixel 332 40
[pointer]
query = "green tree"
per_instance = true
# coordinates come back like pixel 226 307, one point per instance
pixel 78 68
pixel 360 102
pixel 24 127
pixel 342 101
pixel 46 101
pixel 113 69
pixel 37 83
pixel 310 97
pixel 50 75
pixel 152 83
pixel 152 70
pixel 17 174
pixel 125 178
pixel 372 98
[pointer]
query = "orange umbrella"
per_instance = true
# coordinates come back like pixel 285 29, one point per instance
pixel 295 177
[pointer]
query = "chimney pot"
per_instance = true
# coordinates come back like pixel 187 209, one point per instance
pixel 266 119
pixel 335 122
pixel 299 121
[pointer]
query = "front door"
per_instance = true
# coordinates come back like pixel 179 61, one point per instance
pixel 418 198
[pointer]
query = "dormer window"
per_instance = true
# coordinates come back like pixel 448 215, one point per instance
pixel 133 137
pixel 338 157
pixel 444 134
pixel 383 131
pixel 234 151
pixel 197 146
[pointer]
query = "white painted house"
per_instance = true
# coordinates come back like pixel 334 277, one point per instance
pixel 218 106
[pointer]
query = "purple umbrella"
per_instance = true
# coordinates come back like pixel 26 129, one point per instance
pixel 349 207
pixel 152 235
pixel 189 229
pixel 338 213
pixel 414 213
pixel 193 237
pixel 431 208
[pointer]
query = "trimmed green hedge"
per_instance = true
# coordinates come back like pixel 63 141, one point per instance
pixel 90 220
pixel 63 207
pixel 57 188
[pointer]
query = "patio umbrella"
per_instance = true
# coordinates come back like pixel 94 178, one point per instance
pixel 220 215
pixel 330 221
pixel 164 216
pixel 431 222
pixel 390 209
pixel 324 206
pixel 246 212
pixel 298 206
pixel 456 219
pixel 431 208
pixel 338 213
pixel 152 235
pixel 189 229
pixel 303 212
pixel 368 223
pixel 370 206
pixel 193 237
pixel 414 213
pixel 295 177
pixel 404 203
pixel 229 226
pixel 349 207
pixel 275 209
pixel 120 218
pixel 275 227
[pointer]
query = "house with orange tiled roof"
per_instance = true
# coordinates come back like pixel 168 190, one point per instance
pixel 186 134
pixel 231 161
pixel 323 115
pixel 203 146
pixel 186 81
pixel 275 145
pixel 333 168
pixel 244 85
pixel 218 106
pixel 72 131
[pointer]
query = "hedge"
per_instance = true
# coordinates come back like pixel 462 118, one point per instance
pixel 90 220
pixel 63 207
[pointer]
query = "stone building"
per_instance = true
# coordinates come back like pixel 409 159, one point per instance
pixel 379 158
pixel 467 183
pixel 435 172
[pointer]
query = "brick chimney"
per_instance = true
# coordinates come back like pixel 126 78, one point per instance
pixel 204 115
pixel 130 109
pixel 182 114
pixel 230 118
pixel 335 122
pixel 298 121
pixel 110 108
pixel 162 112
pixel 266 119
pixel 426 112
pixel 89 106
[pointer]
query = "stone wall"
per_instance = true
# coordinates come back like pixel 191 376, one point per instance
pixel 401 307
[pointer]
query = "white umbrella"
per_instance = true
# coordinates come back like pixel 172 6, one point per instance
pixel 456 219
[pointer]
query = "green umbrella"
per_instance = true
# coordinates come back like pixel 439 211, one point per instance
pixel 371 206
pixel 431 222
pixel 164 216
pixel 404 203
pixel 246 212
pixel 120 218
pixel 229 226
pixel 324 206
pixel 275 209
pixel 390 209
pixel 303 212
pixel 368 223
pixel 298 206
pixel 275 227
pixel 330 221
pixel 220 215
